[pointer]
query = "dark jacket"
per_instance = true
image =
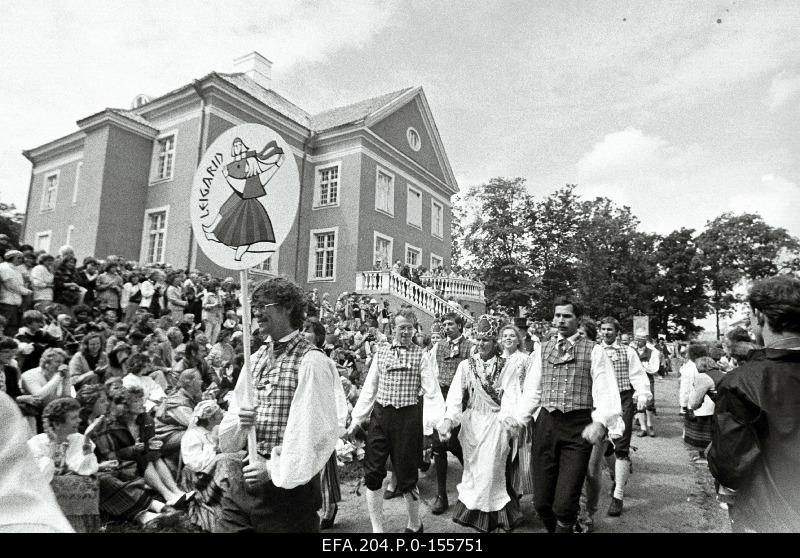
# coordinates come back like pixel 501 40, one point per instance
pixel 755 446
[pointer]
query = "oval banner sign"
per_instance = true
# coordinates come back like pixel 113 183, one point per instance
pixel 245 196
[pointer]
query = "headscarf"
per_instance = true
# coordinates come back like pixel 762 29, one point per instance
pixel 27 503
pixel 203 410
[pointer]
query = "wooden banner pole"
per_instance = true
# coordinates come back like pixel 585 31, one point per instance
pixel 251 434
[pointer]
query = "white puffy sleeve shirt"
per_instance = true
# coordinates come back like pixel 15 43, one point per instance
pixel 312 428
pixel 43 451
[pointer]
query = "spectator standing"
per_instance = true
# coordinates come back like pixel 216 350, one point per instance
pixel 109 288
pixel 756 427
pixel 131 297
pixel 87 278
pixel 12 290
pixel 42 279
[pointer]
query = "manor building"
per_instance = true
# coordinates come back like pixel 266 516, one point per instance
pixel 375 181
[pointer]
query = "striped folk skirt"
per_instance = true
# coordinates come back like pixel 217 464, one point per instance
pixel 329 483
pixel 697 431
pixel 522 465
pixel 205 507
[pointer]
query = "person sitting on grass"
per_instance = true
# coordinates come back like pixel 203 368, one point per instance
pixel 116 441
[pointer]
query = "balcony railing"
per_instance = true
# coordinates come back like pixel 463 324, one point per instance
pixel 389 282
pixel 458 287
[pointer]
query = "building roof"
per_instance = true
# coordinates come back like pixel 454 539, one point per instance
pixel 355 112
pixel 132 115
pixel 268 97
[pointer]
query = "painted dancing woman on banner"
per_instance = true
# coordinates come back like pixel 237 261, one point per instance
pixel 242 222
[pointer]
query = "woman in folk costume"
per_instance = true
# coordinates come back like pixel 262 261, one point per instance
pixel 242 222
pixel 490 390
pixel 513 343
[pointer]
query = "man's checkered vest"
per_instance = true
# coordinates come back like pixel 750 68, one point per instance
pixel 448 365
pixel 620 363
pixel 399 372
pixel 567 383
pixel 274 390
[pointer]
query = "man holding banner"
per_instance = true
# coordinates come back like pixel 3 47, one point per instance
pixel 293 413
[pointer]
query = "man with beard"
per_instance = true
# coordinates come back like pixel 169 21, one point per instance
pixel 389 402
pixel 755 446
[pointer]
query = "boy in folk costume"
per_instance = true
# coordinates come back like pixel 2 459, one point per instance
pixel 447 354
pixel 568 378
pixel 634 393
pixel 294 413
pixel 389 400
pixel 650 358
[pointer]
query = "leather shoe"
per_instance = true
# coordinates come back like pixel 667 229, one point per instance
pixel 440 505
pixel 409 530
pixel 642 433
pixel 389 494
pixel 615 509
pixel 651 432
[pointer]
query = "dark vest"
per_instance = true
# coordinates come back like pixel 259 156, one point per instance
pixel 448 364
pixel 567 382
pixel 274 388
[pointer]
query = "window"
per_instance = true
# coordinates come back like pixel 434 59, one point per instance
pixel 413 256
pixel 70 229
pixel 437 219
pixel 49 192
pixel 43 241
pixel 322 255
pixel 384 192
pixel 77 182
pixel 436 261
pixel 155 235
pixel 166 157
pixel 414 141
pixel 383 250
pixel 327 191
pixel 414 207
pixel 270 265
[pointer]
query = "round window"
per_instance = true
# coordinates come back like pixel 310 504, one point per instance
pixel 413 138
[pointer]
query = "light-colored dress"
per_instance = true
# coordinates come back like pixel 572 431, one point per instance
pixel 493 390
pixel 49 457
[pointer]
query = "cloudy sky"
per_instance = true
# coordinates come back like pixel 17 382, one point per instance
pixel 681 110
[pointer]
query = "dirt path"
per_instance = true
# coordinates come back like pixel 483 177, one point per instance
pixel 666 493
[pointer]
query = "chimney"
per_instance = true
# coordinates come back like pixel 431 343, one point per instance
pixel 256 67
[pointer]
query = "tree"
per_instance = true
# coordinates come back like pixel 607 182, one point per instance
pixel 679 294
pixel 496 241
pixel 736 247
pixel 11 222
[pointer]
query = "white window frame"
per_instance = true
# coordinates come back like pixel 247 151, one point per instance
pixel 441 259
pixel 378 170
pixel 70 230
pixel 273 264
pixel 318 185
pixel 434 232
pixel 78 168
pixel 416 249
pixel 409 189
pixel 39 236
pixel 146 233
pixel 48 176
pixel 156 156
pixel 312 252
pixel 375 236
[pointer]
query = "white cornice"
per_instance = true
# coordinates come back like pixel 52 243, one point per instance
pixel 57 162
pixel 55 148
pixel 110 117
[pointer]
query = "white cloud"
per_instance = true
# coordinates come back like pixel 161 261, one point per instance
pixel 785 87
pixel 669 186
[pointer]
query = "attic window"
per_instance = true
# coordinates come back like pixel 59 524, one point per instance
pixel 413 138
